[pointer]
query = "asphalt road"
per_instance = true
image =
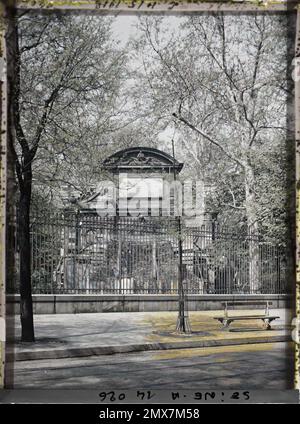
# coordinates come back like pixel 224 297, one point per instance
pixel 260 366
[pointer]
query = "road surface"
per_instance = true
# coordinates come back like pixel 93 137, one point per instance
pixel 256 366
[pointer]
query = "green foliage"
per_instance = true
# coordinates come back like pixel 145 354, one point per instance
pixel 225 78
pixel 225 74
pixel 71 73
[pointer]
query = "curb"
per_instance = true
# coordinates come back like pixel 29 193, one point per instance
pixel 111 350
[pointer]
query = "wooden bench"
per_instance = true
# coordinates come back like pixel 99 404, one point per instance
pixel 226 319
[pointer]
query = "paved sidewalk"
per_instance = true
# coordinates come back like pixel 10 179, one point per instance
pixel 69 335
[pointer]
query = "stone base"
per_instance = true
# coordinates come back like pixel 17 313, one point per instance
pixel 78 303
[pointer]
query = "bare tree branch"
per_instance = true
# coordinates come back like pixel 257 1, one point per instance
pixel 207 137
pixel 37 43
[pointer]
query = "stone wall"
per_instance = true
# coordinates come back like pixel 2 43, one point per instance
pixel 78 303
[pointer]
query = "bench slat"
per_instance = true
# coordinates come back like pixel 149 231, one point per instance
pixel 247 303
pixel 232 318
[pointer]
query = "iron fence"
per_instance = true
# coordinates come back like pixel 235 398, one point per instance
pixel 84 253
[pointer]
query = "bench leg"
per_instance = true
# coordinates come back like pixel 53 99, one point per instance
pixel 267 324
pixel 226 323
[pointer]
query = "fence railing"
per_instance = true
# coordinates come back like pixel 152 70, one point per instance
pixel 80 253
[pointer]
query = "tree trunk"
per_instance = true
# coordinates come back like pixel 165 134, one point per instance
pixel 156 282
pixel 26 309
pixel 24 171
pixel 254 272
pixel 183 323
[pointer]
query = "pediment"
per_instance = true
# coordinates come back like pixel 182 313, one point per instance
pixel 141 159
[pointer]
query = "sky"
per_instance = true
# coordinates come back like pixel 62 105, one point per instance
pixel 123 27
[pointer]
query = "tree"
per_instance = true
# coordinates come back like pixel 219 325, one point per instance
pixel 65 69
pixel 224 84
